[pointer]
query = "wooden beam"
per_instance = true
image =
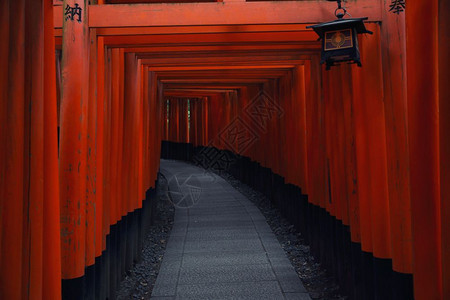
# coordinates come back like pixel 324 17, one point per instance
pixel 210 81
pixel 200 29
pixel 199 90
pixel 191 94
pixel 221 13
pixel 150 30
pixel 221 68
pixel 212 39
pixel 220 60
pixel 216 86
pixel 239 75
pixel 173 49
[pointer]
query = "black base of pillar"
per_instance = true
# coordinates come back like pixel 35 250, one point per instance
pixel 89 291
pixel 123 247
pixel 73 289
pixel 402 286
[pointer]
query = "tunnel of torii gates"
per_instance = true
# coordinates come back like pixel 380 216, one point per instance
pixel 358 159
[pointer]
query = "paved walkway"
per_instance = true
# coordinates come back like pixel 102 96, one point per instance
pixel 221 246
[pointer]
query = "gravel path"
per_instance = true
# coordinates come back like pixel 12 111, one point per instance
pixel 318 284
pixel 221 246
pixel 139 282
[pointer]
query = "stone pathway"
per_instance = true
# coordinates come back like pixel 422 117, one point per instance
pixel 220 246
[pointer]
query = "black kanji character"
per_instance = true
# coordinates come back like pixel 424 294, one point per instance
pixel 71 12
pixel 397 6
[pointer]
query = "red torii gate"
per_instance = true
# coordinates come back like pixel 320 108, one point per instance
pixel 390 119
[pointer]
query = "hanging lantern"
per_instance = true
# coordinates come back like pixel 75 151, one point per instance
pixel 340 38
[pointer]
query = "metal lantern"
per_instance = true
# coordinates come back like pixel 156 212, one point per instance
pixel 340 38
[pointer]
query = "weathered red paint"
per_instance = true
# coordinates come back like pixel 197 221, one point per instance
pixel 13 161
pixel 91 154
pixel 4 55
pixel 32 246
pixel 114 136
pixel 100 235
pixel 393 45
pixel 51 272
pixel 444 142
pixel 423 135
pixel 73 143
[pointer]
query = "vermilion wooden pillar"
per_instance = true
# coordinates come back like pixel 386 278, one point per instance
pixel 444 140
pixel 73 140
pixel 121 179
pixel 290 128
pixel 146 126
pixel 13 162
pixel 155 100
pixel 130 136
pixel 350 209
pixel 157 137
pixel 193 127
pixel 423 129
pixel 330 86
pixel 182 119
pixel 91 154
pixel 371 149
pixel 169 114
pixel 234 102
pixel 51 275
pixel 339 132
pixel 214 113
pixel 393 51
pixel 199 122
pixel 114 136
pixel 116 171
pixel 316 150
pixel 58 84
pixel 174 125
pixel 32 247
pixel 292 146
pixel 149 93
pixel 275 158
pixel 140 195
pixel 170 110
pixel 100 237
pixel 107 155
pixel 130 158
pixel 300 103
pixel 226 105
pixel 165 132
pixel 205 120
pixel 4 55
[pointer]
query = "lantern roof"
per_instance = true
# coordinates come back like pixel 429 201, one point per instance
pixel 357 23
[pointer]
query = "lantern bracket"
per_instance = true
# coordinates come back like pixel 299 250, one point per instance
pixel 340 8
